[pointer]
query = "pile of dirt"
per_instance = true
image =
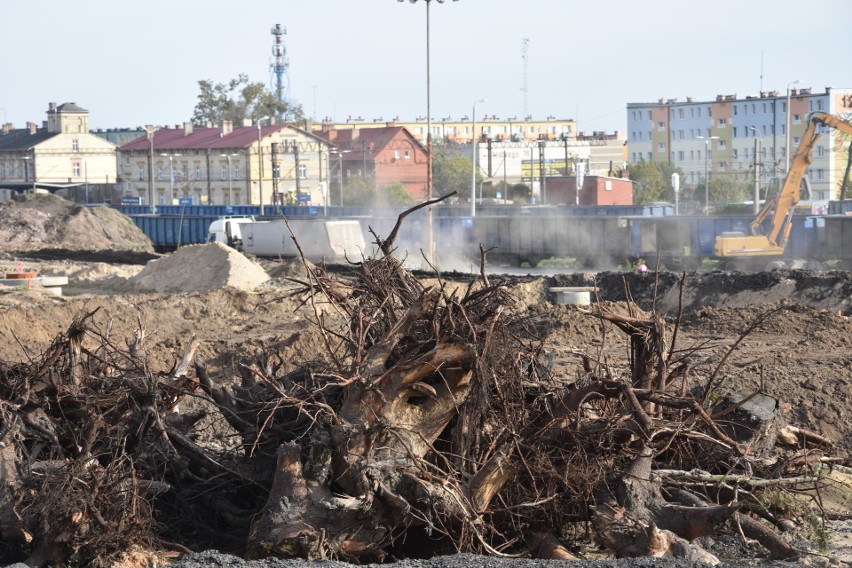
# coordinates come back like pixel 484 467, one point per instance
pixel 828 290
pixel 197 268
pixel 45 221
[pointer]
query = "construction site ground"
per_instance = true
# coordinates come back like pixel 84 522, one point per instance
pixel 800 353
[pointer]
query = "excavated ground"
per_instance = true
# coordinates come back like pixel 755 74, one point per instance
pixel 801 353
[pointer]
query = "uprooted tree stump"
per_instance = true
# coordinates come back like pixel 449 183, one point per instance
pixel 432 423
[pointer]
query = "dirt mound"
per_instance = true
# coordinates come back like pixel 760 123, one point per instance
pixel 198 268
pixel 830 290
pixel 34 222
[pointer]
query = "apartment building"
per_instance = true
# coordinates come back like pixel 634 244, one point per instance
pixel 245 165
pixel 728 135
pixel 60 156
pixel 461 130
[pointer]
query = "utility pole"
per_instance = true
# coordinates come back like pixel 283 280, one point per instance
pixel 756 176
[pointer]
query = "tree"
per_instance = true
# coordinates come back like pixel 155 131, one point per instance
pixel 237 100
pixel 451 172
pixel 652 181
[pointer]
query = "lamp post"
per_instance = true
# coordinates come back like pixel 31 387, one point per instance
pixel 789 125
pixel 707 140
pixel 171 176
pixel 473 161
pixel 230 178
pixel 149 130
pixel 260 162
pixel 430 239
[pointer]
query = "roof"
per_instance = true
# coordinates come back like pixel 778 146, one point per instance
pixel 20 139
pixel 68 107
pixel 202 138
pixel 373 137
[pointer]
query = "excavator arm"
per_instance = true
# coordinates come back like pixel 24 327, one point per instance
pixel 782 207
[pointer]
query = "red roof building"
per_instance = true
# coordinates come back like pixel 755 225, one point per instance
pixel 382 155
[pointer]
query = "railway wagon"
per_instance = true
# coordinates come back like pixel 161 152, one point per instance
pixel 832 239
pixel 594 242
pixel 683 243
pixel 168 232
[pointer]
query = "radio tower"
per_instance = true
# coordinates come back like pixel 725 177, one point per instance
pixel 279 68
pixel 525 56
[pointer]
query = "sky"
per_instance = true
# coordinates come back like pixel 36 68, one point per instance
pixel 136 63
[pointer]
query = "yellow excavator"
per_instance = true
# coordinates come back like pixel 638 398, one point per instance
pixel 739 251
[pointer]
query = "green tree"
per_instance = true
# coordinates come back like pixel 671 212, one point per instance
pixel 652 181
pixel 237 100
pixel 451 171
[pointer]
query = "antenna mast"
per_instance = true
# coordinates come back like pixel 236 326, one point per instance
pixel 279 67
pixel 525 42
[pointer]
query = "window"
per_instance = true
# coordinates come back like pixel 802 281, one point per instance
pixel 745 153
pixel 680 113
pixel 680 155
pixel 680 134
pixel 797 118
pixel 650 157
pixel 235 174
pixel 75 169
pixel 303 171
pixel 407 154
pixel 649 115
pixel 608 185
pixel 396 155
pixel 223 172
pixel 75 145
pixel 819 151
pixel 722 122
pixel 735 110
pixel 735 131
pixel 722 144
pixel 140 172
pixel 661 125
pixel 661 147
pixel 820 174
pixel 734 154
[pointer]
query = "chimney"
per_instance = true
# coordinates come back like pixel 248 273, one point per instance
pixel 227 127
pixel 187 128
pixel 8 127
pixel 247 122
pixel 356 133
pixel 32 127
pixel 51 107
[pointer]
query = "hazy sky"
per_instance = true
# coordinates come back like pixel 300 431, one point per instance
pixel 132 63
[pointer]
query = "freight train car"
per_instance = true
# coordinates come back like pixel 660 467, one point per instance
pixel 594 242
pixel 168 232
pixel 683 243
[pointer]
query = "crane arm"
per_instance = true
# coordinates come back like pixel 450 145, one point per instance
pixel 788 197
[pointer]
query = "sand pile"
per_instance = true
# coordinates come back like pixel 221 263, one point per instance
pixel 198 268
pixel 44 221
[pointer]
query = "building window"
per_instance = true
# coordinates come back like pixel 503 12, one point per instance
pixel 396 155
pixel 407 154
pixel 75 169
pixel 745 153
pixel 819 151
pixel 722 122
pixel 735 131
pixel 140 173
pixel 722 144
pixel 303 171
pixel 661 125
pixel 235 174
pixel 661 147
pixel 734 154
pixel 680 113
pixel 735 110
pixel 197 172
pixel 797 118
pixel 75 145
pixel 680 155
pixel 223 172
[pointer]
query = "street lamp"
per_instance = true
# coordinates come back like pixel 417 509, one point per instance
pixel 260 162
pixel 789 124
pixel 230 178
pixel 430 239
pixel 171 176
pixel 707 140
pixel 473 159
